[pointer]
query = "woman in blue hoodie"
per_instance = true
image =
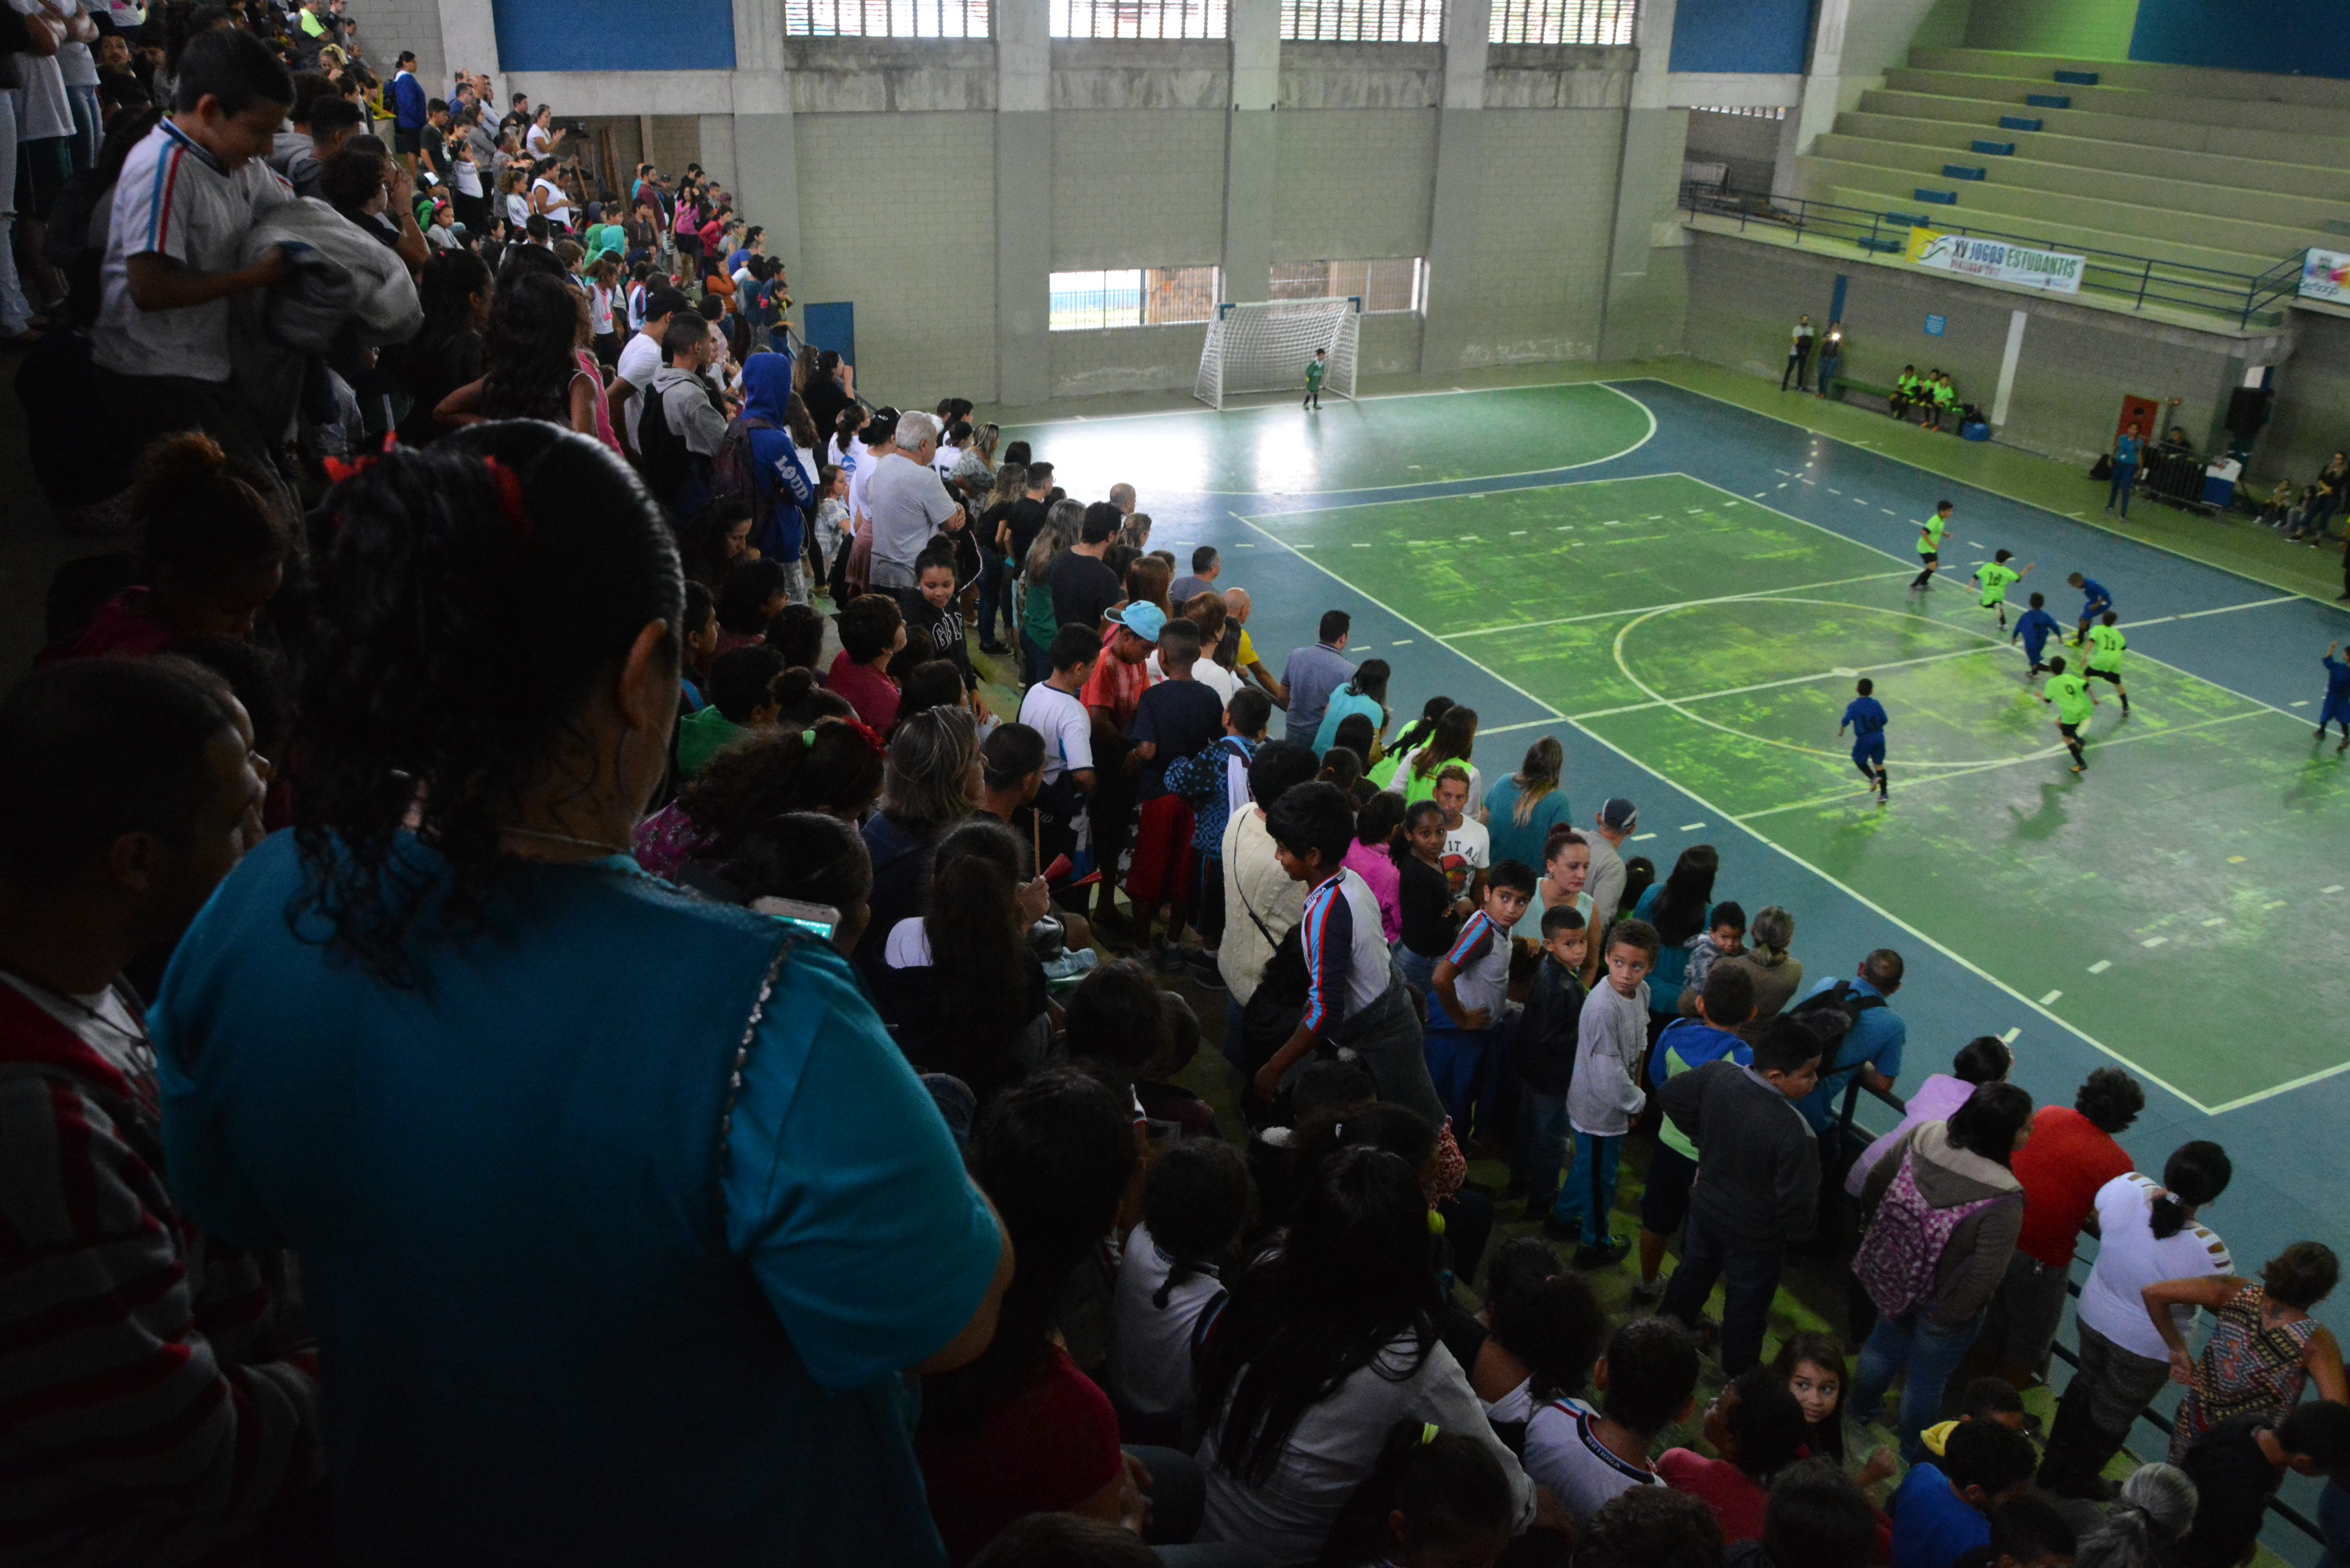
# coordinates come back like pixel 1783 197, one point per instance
pixel 783 499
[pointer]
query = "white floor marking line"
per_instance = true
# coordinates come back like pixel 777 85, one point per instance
pixel 1760 494
pixel 2223 610
pixel 2153 941
pixel 2101 966
pixel 2010 1038
pixel 2217 920
pixel 1642 837
pixel 1967 770
pixel 1834 491
pixel 2050 999
pixel 1842 672
pixel 2150 659
pixel 1402 641
pixel 1677 603
pixel 2274 903
pixel 1509 728
pixel 1691 826
pixel 2303 704
pixel 1362 543
pixel 1888 512
pixel 2336 889
pixel 2003 495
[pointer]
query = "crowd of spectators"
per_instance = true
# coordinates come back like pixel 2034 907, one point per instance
pixel 602 948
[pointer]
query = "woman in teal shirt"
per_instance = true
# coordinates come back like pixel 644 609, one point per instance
pixel 1366 694
pixel 1522 808
pixel 619 1217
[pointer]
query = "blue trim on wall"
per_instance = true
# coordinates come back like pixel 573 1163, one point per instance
pixel 615 35
pixel 1766 36
pixel 2289 38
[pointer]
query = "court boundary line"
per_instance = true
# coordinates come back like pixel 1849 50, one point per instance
pixel 1858 897
pixel 1985 489
pixel 1646 412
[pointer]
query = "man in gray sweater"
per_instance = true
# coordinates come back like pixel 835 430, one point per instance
pixel 1758 1181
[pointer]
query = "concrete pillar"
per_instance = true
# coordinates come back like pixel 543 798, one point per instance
pixel 469 41
pixel 1655 136
pixel 761 158
pixel 1023 203
pixel 1252 149
pixel 1452 214
pixel 1823 95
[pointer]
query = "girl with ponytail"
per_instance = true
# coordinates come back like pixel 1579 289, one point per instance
pixel 833 765
pixel 1433 1499
pixel 2148 1234
pixel 1195 1203
pixel 449 1041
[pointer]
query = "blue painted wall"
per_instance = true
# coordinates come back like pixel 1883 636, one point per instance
pixel 615 35
pixel 1772 37
pixel 2290 37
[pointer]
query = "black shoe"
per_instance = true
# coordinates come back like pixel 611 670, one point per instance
pixel 1605 1255
pixel 1205 973
pixel 996 649
pixel 1559 1229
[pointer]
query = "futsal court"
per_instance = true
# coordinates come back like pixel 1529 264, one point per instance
pixel 1684 592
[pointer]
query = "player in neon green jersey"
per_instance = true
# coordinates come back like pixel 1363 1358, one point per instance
pixel 2069 695
pixel 1315 369
pixel 1996 576
pixel 1929 546
pixel 2106 646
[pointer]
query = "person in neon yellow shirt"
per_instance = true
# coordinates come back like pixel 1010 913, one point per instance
pixel 1996 576
pixel 2069 695
pixel 2106 646
pixel 1929 545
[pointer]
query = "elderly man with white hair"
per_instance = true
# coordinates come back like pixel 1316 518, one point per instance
pixel 909 504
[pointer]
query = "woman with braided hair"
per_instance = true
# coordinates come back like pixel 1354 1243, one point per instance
pixel 619 1215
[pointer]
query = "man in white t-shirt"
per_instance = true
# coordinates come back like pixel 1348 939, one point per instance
pixel 641 361
pixel 1468 844
pixel 1053 709
pixel 189 194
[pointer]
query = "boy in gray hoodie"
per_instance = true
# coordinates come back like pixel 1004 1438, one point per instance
pixel 1611 1044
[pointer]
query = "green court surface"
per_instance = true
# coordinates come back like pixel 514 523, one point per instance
pixel 1376 444
pixel 1716 641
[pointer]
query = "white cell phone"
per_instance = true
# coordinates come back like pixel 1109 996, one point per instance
pixel 817 920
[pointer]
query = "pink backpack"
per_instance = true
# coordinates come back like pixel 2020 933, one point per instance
pixel 1897 1259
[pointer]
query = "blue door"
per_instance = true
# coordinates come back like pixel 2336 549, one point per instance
pixel 832 327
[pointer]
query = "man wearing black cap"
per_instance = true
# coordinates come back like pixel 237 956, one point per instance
pixel 641 361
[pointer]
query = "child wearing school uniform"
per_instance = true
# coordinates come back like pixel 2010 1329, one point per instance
pixel 1611 1044
pixel 1542 1053
pixel 1470 993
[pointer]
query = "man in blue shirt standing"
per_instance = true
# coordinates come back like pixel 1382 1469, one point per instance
pixel 1865 716
pixel 1871 1048
pixel 1313 674
pixel 2094 602
pixel 2126 448
pixel 2336 708
pixel 2035 627
pixel 408 108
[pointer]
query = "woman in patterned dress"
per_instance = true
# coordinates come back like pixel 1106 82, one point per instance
pixel 2265 1346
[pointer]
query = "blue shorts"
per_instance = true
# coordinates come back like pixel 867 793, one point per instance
pixel 2336 711
pixel 1870 752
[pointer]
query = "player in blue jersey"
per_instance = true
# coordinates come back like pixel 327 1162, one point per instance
pixel 2338 697
pixel 2094 602
pixel 2035 627
pixel 1865 717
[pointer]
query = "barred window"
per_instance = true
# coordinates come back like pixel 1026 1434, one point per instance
pixel 886 18
pixel 1363 21
pixel 1132 296
pixel 1392 286
pixel 1140 19
pixel 1743 110
pixel 1562 21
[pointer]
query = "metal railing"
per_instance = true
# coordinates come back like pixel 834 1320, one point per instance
pixel 2142 280
pixel 1855 1140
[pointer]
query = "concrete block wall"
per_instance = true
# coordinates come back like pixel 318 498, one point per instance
pixel 1354 184
pixel 2076 366
pixel 898 216
pixel 2307 421
pixel 1138 187
pixel 388 27
pixel 1544 208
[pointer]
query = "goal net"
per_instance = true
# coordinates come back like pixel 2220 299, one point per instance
pixel 1265 347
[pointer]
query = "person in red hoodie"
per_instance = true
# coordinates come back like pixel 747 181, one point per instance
pixel 1757 1430
pixel 212 554
pixel 2072 1154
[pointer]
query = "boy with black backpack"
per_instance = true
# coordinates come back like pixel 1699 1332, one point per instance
pixel 1860 1037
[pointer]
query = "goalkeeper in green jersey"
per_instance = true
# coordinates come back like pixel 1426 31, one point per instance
pixel 1315 370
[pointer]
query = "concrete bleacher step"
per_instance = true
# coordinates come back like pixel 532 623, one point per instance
pixel 2051 150
pixel 2124 226
pixel 2182 135
pixel 2243 87
pixel 2309 214
pixel 2130 103
pixel 2062 221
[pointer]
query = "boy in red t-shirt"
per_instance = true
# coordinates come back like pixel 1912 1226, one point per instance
pixel 2072 1154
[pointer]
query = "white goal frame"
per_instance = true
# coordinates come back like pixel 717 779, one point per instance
pixel 1262 346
